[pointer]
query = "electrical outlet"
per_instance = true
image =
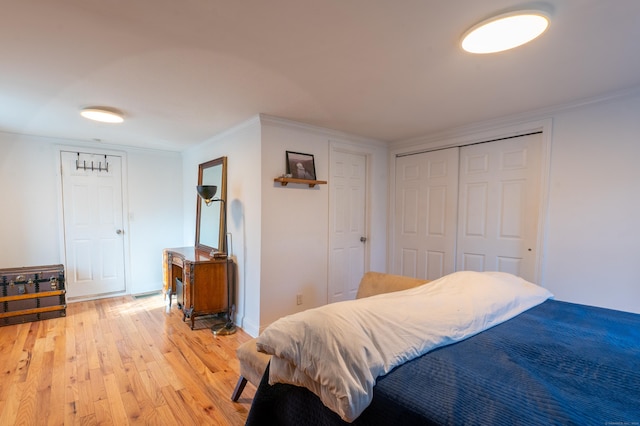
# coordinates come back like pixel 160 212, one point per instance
pixel 299 299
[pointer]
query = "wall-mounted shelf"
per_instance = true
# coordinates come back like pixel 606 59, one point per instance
pixel 284 181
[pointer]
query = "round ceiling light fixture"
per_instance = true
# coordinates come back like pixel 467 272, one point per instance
pixel 102 114
pixel 505 31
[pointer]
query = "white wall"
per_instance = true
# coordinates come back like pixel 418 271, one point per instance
pixel 279 234
pixel 155 214
pixel 241 146
pixel 29 233
pixel 295 221
pixel 590 253
pixel 30 229
pixel 295 218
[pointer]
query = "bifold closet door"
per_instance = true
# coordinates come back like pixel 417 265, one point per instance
pixel 475 207
pixel 426 199
pixel 499 206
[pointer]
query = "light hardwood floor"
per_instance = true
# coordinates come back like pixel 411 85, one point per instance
pixel 120 361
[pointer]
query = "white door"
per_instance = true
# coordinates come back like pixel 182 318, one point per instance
pixel 93 224
pixel 499 206
pixel 347 224
pixel 425 214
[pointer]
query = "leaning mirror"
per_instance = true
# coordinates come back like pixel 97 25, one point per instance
pixel 209 219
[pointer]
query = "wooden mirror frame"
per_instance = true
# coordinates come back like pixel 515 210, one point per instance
pixel 219 214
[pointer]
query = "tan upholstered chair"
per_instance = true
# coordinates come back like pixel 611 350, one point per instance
pixel 253 363
pixel 252 366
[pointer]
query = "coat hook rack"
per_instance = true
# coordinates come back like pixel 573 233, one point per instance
pixel 92 167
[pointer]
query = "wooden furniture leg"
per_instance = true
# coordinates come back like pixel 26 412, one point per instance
pixel 239 388
pixel 252 366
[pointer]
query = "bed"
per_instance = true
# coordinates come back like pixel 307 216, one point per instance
pixel 551 363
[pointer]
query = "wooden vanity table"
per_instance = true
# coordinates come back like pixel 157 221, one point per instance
pixel 201 285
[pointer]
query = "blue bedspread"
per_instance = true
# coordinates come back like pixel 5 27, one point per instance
pixel 558 363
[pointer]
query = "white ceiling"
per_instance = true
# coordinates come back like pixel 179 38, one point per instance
pixel 185 70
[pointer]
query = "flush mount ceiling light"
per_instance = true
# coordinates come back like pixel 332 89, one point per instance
pixel 505 31
pixel 102 114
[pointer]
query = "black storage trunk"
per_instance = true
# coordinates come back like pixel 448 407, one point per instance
pixel 32 293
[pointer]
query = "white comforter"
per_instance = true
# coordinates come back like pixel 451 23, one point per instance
pixel 337 351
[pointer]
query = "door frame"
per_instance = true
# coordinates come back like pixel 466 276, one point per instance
pixel 472 135
pixel 346 148
pixel 125 210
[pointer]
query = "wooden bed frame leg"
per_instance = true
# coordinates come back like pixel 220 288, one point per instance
pixel 239 388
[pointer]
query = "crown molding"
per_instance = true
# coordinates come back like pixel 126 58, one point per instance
pixel 270 120
pixel 250 122
pixel 511 120
pixel 86 144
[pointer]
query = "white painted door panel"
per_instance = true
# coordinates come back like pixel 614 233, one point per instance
pixel 499 206
pixel 93 225
pixel 425 214
pixel 347 225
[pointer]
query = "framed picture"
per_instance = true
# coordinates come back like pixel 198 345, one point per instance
pixel 301 166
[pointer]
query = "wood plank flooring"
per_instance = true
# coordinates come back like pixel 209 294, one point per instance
pixel 120 361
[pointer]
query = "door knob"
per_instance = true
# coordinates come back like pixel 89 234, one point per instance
pixel 119 231
pixel 363 239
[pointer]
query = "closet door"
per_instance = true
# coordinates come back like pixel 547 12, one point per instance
pixel 499 206
pixel 348 225
pixel 426 191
